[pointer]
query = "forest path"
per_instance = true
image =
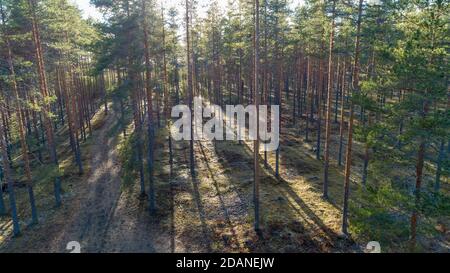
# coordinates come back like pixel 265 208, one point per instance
pixel 105 217
pixel 99 199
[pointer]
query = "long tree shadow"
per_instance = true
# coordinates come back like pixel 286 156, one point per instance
pixel 223 206
pixel 302 165
pixel 286 226
pixel 201 213
pixel 182 225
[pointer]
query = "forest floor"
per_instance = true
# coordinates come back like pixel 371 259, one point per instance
pixel 96 214
pixel 211 212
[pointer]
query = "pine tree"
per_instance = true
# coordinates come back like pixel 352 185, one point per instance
pixel 256 102
pixel 355 89
pixel 20 120
pixel 46 108
pixel 7 173
pixel 329 101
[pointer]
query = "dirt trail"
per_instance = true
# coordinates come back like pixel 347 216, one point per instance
pixel 92 211
pixel 104 218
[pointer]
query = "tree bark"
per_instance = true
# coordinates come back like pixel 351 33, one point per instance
pixel 148 88
pixel 256 101
pixel 329 101
pixel 45 94
pixel 355 88
pixel 189 67
pixel 8 178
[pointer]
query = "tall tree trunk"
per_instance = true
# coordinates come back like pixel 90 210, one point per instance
pixel 45 94
pixel 329 101
pixel 419 173
pixel 442 157
pixel 8 178
pixel 342 122
pixel 308 92
pixel 256 101
pixel 355 88
pixel 189 67
pixel 122 105
pixel 6 135
pixel 134 93
pixel 166 95
pixel 70 107
pixel 20 123
pixel 419 178
pixel 336 100
pixel 25 156
pixel 2 174
pixel 366 158
pixel 319 109
pixel 36 131
pixel 148 88
pixel 266 72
